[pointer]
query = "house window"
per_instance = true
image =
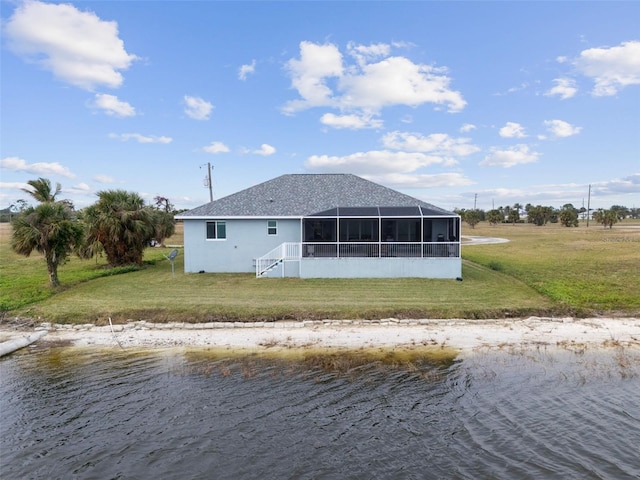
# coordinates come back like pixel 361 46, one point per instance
pixel 216 230
pixel 272 227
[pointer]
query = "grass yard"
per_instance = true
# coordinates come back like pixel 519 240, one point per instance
pixel 583 268
pixel 542 270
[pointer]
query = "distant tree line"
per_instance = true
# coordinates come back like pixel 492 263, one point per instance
pixel 540 215
pixel 119 225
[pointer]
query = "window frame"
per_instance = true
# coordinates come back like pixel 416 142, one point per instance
pixel 272 225
pixel 217 224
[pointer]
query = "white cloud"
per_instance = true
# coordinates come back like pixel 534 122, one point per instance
pixel 523 86
pixel 246 70
pixel 353 121
pixel 398 81
pixel 467 127
pixel 630 185
pixel 309 74
pixel 77 47
pixel 141 138
pixel 560 128
pixel 372 162
pixel 603 194
pixel 322 78
pixel 564 88
pixel 10 193
pixel 197 108
pixel 216 147
pixel 265 150
pixel 518 155
pixel 79 189
pixel 440 144
pixel 512 130
pixel 113 106
pixel 404 154
pixel 367 53
pixel 103 179
pixel 611 68
pixel 19 165
pixel 4 186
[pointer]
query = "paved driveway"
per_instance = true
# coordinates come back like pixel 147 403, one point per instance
pixel 475 240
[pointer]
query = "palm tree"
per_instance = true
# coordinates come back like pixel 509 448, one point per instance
pixel 51 229
pixel 123 225
pixel 42 190
pixel 164 226
pixel 606 217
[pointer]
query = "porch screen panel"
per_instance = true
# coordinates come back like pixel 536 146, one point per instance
pixel 358 230
pixel 358 211
pixel 427 230
pixel 400 212
pixel 401 230
pixel 320 230
pixel 454 228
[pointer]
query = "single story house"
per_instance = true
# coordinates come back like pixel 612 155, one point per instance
pixel 322 226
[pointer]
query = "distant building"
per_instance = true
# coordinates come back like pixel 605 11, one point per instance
pixel 322 226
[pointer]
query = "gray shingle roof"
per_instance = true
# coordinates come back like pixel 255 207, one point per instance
pixel 297 195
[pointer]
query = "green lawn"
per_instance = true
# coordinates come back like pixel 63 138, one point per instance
pixel 584 268
pixel 542 270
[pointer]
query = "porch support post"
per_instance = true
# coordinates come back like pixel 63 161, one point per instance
pixel 421 234
pixel 338 236
pixel 379 234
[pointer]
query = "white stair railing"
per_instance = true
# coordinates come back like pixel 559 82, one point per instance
pixel 282 253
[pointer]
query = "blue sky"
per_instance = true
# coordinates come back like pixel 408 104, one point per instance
pixel 456 103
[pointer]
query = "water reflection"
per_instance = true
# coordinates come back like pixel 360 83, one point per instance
pixel 68 412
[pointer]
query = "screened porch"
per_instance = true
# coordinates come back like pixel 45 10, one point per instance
pixel 380 232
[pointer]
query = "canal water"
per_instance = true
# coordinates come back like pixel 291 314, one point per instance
pixel 188 414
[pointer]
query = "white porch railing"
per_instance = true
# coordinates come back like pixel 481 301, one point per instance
pixel 282 253
pixel 295 251
pixel 381 249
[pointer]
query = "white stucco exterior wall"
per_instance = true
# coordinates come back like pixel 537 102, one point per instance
pixel 246 240
pixel 438 267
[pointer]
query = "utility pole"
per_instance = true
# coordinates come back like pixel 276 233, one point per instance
pixel 475 198
pixel 208 182
pixel 588 205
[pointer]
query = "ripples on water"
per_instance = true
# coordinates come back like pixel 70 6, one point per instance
pixel 71 413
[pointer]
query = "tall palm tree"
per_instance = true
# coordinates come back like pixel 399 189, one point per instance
pixel 51 229
pixel 42 190
pixel 123 225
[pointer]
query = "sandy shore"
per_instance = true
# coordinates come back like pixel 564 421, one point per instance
pixel 465 335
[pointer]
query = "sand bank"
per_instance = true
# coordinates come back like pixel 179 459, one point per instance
pixel 465 335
